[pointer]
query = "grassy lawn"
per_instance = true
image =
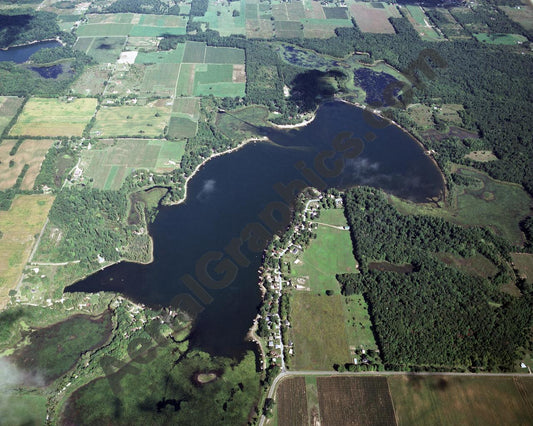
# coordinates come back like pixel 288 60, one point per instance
pixel 462 400
pixel 507 39
pixel 318 331
pixel 330 254
pixel 18 227
pixel 149 120
pixel 54 117
pixel 358 324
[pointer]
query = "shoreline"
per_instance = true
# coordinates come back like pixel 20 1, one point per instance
pixel 424 148
pixel 295 126
pixel 206 160
pixel 33 42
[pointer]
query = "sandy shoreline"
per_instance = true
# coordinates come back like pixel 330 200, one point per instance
pixel 294 126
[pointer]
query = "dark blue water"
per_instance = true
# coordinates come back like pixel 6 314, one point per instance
pixel 22 53
pixel 52 71
pixel 231 192
pixel 375 85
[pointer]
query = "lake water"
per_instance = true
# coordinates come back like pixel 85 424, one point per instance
pixel 21 54
pixel 231 191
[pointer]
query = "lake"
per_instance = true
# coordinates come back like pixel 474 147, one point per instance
pixel 231 191
pixel 21 54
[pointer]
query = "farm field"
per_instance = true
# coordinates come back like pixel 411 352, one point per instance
pixel 355 401
pixel 108 165
pixel 92 81
pixel 31 153
pixel 292 402
pixel 318 331
pixel 62 118
pixel 371 18
pixel 133 120
pixel 18 227
pixel 329 254
pixel 421 23
pixel 462 400
pixel 9 106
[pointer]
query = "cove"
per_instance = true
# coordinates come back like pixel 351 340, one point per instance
pixel 231 191
pixel 21 54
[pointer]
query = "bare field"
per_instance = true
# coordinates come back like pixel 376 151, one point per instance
pixel 18 228
pixel 292 402
pixel 372 20
pixel 355 401
pixel 30 152
pixel 54 117
pixel 462 400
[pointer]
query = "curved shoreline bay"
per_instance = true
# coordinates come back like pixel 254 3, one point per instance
pixel 207 250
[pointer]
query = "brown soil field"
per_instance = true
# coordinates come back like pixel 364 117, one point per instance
pixel 292 402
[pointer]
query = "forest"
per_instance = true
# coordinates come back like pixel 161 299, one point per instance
pixel 20 27
pixel 435 316
pixel 143 6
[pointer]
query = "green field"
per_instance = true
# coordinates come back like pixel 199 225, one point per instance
pixel 181 128
pixel 358 324
pixel 462 400
pixel 507 39
pixel 491 203
pixel 107 165
pixel 194 52
pixel 92 81
pixel 146 121
pixel 318 331
pixel 147 31
pixel 330 254
pixel 105 49
pixel 8 108
pixel 62 118
pixel 185 84
pixel 235 125
pixel 26 407
pixel 104 30
pixel 160 80
pixel 421 23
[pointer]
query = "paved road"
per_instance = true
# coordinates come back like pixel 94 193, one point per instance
pixel 285 374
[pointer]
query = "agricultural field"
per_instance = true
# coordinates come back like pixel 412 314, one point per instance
pixel 355 401
pixel 92 81
pixel 522 15
pixel 318 331
pixel 108 164
pixel 31 153
pixel 507 39
pixel 219 17
pixel 18 227
pixel 9 106
pixel 482 156
pixel 23 408
pixel 329 254
pixel 374 17
pixel 462 400
pixel 291 399
pixel 133 120
pixel 421 23
pixel 184 118
pixel 62 118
